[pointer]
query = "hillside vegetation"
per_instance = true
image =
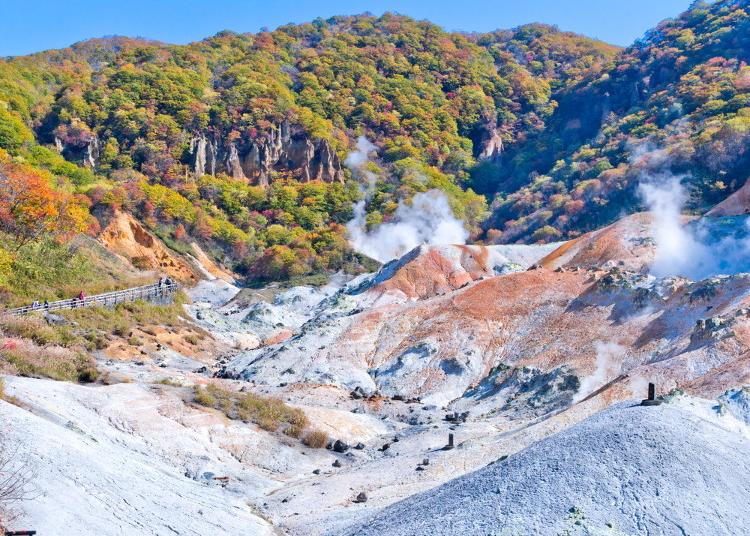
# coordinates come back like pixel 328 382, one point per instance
pixel 240 141
pixel 676 101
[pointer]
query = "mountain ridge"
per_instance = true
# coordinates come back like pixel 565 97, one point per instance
pixel 241 142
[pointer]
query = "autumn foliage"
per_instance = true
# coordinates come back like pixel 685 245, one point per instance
pixel 30 208
pixel 551 130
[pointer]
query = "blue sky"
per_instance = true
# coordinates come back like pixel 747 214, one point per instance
pixel 33 25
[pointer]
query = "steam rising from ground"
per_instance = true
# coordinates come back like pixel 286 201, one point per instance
pixel 609 358
pixel 695 250
pixel 638 386
pixel 678 252
pixel 357 161
pixel 428 219
pixel 361 155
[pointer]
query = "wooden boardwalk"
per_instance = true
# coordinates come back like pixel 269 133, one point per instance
pixel 152 292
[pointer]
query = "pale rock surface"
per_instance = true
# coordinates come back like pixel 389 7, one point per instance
pixel 673 469
pixel 123 460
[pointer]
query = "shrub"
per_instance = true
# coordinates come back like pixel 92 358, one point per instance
pixel 24 358
pixel 203 397
pixel 271 414
pixel 294 431
pixel 170 382
pixel 13 131
pixel 192 339
pixel 37 330
pixel 121 319
pixel 96 340
pixel 88 374
pixel 315 439
pixel 545 234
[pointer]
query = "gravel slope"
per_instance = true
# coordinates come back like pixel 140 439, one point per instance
pixel 674 469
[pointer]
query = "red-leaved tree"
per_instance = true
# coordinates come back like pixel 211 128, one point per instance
pixel 30 208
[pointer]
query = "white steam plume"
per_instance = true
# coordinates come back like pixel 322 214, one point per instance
pixel 609 358
pixel 361 155
pixel 428 219
pixel 677 250
pixel 695 251
pixel 357 161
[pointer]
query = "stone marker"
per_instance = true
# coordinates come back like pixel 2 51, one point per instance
pixel 651 400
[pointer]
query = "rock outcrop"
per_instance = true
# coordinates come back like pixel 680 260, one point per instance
pixel 488 141
pixel 736 204
pixel 281 148
pixel 429 271
pixel 82 147
pixel 125 236
pixel 626 243
pixel 204 153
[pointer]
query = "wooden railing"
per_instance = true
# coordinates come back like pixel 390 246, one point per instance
pixel 108 299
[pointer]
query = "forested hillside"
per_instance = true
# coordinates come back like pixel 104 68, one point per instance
pixel 677 101
pixel 240 141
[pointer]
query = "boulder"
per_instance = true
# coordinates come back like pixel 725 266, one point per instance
pixel 340 446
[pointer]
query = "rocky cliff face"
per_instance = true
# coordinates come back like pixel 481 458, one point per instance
pixel 84 149
pixel 127 237
pixel 281 148
pixel 488 140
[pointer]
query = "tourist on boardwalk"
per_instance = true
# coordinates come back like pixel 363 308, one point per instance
pixel 81 298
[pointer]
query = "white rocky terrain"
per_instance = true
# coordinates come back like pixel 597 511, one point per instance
pixel 678 468
pixel 517 351
pixel 127 459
